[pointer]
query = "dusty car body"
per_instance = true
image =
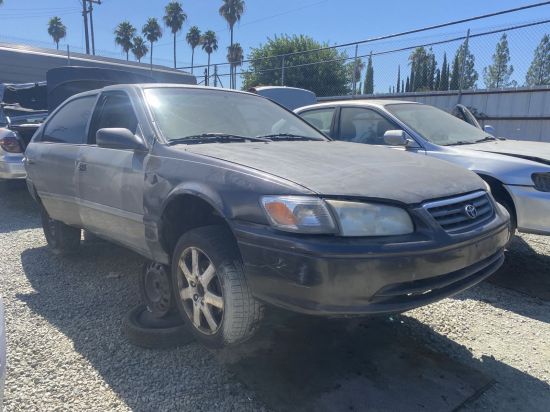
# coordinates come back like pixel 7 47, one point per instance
pixel 183 175
pixel 518 172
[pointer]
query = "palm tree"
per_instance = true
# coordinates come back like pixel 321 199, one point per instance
pixel 174 17
pixel 193 39
pixel 56 29
pixel 139 48
pixel 124 33
pixel 231 11
pixel 209 45
pixel 152 32
pixel 235 58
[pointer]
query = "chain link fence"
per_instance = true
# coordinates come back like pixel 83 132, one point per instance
pixel 488 58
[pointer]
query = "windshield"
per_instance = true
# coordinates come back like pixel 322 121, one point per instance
pixel 181 113
pixel 437 126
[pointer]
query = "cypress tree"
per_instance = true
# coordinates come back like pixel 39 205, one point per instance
pixel 539 70
pixel 455 75
pixel 398 77
pixel 437 79
pixel 408 85
pixel 369 77
pixel 402 86
pixel 444 81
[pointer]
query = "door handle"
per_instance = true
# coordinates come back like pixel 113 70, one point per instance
pixel 82 167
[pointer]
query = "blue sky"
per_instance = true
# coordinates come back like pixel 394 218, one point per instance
pixel 332 21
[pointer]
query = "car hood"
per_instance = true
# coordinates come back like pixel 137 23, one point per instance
pixel 535 151
pixel 349 169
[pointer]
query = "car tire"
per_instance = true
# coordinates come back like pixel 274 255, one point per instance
pixel 215 287
pixel 144 330
pixel 61 238
pixel 156 290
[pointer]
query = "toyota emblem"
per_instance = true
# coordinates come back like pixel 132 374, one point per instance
pixel 470 211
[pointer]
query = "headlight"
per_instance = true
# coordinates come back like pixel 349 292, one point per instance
pixel 369 219
pixel 541 181
pixel 299 214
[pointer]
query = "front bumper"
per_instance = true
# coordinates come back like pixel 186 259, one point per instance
pixel 532 209
pixel 11 166
pixel 347 276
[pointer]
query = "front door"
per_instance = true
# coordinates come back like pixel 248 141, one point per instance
pixel 111 181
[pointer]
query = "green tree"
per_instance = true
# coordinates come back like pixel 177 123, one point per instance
pixel 398 78
pixel 432 67
pixel 437 79
pixel 420 61
pixel 539 70
pixel 174 17
pixel 124 33
pixel 139 48
pixel 369 77
pixel 455 74
pixel 209 44
pixel 56 29
pixel 329 78
pixel 152 32
pixel 498 74
pixel 235 57
pixel 407 85
pixel 193 38
pixel 232 11
pixel 444 81
pixel 467 67
pixel 358 66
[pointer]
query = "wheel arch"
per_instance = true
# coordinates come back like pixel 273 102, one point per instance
pixel 498 190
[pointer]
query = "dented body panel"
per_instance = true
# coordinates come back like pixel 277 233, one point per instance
pixel 128 196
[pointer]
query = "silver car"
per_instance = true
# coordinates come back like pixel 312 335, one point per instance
pixel 518 172
pixel 2 352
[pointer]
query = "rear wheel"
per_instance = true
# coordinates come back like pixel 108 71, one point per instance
pixel 61 238
pixel 210 287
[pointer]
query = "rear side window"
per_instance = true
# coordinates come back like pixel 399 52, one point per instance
pixel 68 125
pixel 114 110
pixel 320 118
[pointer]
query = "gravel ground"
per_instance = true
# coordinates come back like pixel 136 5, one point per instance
pixel 66 350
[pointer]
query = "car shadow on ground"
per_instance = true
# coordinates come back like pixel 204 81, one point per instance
pixel 19 211
pixel 295 363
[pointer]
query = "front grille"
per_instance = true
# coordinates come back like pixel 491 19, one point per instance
pixel 462 213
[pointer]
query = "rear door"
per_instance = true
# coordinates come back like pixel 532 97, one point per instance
pixel 111 181
pixel 52 156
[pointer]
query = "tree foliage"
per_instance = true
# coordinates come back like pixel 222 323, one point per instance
pixel 174 17
pixel 124 33
pixel 331 78
pixel 152 32
pixel 139 48
pixel 444 80
pixel 539 70
pixel 498 74
pixel 369 78
pixel 209 43
pixel 422 64
pixel 56 29
pixel 193 38
pixel 465 63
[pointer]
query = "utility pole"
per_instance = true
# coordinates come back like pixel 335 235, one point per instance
pixel 91 9
pixel 85 17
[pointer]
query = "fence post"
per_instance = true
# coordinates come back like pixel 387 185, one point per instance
pixel 282 70
pixel 354 79
pixel 463 66
pixel 215 75
pixel 205 77
pixel 68 56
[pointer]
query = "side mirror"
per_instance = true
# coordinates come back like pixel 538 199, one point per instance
pixel 489 129
pixel 398 138
pixel 118 138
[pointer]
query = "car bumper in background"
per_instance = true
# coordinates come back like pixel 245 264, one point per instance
pixel 348 277
pixel 2 352
pixel 532 209
pixel 12 167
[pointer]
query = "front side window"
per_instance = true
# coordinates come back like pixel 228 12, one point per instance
pixel 320 118
pixel 68 125
pixel 185 112
pixel 114 111
pixel 436 126
pixel 362 125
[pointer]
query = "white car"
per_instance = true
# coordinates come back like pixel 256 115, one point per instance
pixel 2 352
pixel 518 172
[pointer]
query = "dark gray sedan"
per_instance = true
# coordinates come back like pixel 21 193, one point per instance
pixel 240 203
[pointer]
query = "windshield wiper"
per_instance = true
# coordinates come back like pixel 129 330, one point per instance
pixel 486 139
pixel 216 137
pixel 459 143
pixel 287 136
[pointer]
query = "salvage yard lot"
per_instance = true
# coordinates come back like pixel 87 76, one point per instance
pixel 485 349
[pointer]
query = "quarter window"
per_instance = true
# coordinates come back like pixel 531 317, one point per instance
pixel 68 125
pixel 320 118
pixel 364 126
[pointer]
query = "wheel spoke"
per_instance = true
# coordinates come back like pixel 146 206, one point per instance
pixel 185 270
pixel 208 275
pixel 195 262
pixel 196 316
pixel 209 318
pixel 186 293
pixel 213 300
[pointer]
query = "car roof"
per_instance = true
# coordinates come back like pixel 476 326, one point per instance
pixel 380 103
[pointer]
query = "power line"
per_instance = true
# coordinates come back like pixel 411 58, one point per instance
pixel 390 36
